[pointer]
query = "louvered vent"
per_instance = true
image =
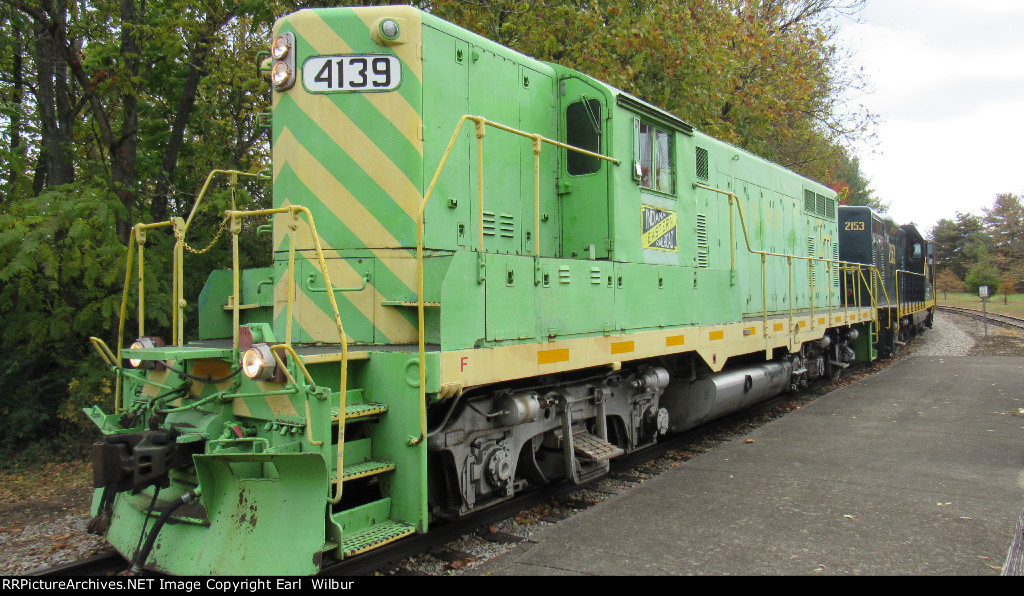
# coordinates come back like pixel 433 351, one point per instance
pixel 812 251
pixel 507 225
pixel 503 225
pixel 836 267
pixel 702 241
pixel 489 223
pixel 702 163
pixel 809 202
pixel 819 205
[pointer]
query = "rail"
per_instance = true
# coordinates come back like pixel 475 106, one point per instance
pixel 481 125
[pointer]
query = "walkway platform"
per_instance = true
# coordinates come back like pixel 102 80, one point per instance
pixel 916 470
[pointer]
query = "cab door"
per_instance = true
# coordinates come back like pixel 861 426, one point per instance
pixel 583 180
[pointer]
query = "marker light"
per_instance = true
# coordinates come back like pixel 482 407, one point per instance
pixel 386 31
pixel 258 363
pixel 389 28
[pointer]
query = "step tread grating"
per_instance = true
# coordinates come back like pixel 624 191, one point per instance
pixel 591 448
pixel 360 410
pixel 366 468
pixel 375 536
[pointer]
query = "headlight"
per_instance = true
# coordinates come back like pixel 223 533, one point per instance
pixel 280 75
pixel 141 344
pixel 258 363
pixel 280 48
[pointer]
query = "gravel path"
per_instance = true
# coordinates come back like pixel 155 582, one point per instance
pixel 946 338
pixel 49 529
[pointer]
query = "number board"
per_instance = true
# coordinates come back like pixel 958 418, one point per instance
pixel 659 229
pixel 325 74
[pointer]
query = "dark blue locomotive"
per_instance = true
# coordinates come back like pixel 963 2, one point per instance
pixel 900 285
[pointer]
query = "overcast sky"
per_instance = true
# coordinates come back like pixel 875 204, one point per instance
pixel 947 80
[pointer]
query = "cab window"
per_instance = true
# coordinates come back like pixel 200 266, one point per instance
pixel 583 130
pixel 652 157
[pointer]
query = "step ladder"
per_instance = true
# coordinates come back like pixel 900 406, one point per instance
pixel 366 526
pixel 586 455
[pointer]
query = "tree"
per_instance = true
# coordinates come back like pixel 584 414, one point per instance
pixel 98 108
pixel 960 244
pixel 765 75
pixel 1005 225
pixel 1008 285
pixel 983 274
pixel 851 185
pixel 946 281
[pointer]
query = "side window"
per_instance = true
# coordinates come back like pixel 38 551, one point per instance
pixel 652 157
pixel 583 130
pixel 917 250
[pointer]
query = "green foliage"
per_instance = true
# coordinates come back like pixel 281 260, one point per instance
pixel 61 272
pixel 141 146
pixel 983 274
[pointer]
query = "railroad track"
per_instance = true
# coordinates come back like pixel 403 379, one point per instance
pixel 104 563
pixel 1004 320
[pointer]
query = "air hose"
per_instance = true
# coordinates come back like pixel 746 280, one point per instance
pixel 142 554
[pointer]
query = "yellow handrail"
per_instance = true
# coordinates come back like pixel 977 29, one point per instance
pixel 235 217
pixel 847 265
pixel 908 309
pixel 295 210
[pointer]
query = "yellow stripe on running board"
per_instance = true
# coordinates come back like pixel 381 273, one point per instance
pixel 552 356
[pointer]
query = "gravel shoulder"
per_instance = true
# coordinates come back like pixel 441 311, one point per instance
pixel 44 511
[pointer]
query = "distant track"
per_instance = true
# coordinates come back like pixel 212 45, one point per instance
pixel 1004 320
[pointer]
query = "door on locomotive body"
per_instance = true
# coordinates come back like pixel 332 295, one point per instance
pixel 583 180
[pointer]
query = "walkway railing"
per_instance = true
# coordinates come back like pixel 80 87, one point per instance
pixel 857 269
pixel 233 222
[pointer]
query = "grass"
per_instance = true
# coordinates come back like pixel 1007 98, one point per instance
pixel 1014 306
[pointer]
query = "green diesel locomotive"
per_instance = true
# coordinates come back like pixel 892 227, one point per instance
pixel 489 273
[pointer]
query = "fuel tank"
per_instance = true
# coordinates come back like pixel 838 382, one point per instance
pixel 691 403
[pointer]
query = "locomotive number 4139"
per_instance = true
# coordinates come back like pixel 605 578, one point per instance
pixel 351 73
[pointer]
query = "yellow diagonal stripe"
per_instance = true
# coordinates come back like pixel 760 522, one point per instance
pixel 395 107
pixel 361 149
pixel 322 183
